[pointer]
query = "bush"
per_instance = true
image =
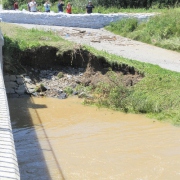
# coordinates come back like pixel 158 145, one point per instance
pixel 68 90
pixel 60 75
pixel 113 94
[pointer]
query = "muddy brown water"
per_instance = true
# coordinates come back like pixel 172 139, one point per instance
pixel 63 139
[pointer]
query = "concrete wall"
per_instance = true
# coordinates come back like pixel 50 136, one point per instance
pixel 1 44
pixel 94 20
pixel 8 161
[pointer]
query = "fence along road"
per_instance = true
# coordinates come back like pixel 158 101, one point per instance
pixel 8 160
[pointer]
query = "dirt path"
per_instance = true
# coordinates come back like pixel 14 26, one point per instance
pixel 114 44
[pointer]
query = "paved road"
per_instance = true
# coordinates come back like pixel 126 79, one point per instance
pixel 107 41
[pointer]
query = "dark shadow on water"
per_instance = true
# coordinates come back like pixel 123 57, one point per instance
pixel 32 164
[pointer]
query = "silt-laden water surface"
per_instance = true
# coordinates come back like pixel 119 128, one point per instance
pixel 63 139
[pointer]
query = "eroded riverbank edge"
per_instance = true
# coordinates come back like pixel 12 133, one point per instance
pixel 104 40
pixel 141 98
pixel 46 74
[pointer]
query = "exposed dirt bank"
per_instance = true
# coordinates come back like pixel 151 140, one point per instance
pixel 49 74
pixel 104 40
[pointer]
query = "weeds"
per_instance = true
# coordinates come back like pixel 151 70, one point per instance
pixel 162 30
pixel 157 94
pixel 68 90
pixel 112 95
pixel 60 75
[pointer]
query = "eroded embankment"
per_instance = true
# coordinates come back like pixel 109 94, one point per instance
pixel 50 73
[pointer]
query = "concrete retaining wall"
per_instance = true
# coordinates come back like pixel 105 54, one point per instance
pixel 8 161
pixel 94 20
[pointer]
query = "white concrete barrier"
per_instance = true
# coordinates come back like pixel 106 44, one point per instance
pixel 94 20
pixel 1 45
pixel 8 160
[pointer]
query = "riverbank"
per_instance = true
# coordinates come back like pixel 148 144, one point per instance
pixel 156 93
pixel 104 40
pixel 63 81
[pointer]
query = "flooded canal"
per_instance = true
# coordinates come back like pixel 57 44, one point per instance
pixel 63 139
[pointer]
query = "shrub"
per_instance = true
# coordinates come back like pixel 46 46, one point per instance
pixel 113 94
pixel 60 75
pixel 68 90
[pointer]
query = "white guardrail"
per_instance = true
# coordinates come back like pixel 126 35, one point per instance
pixel 8 160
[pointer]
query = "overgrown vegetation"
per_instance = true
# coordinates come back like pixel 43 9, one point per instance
pixel 60 75
pixel 68 90
pixel 17 40
pixel 157 94
pixel 104 6
pixel 162 30
pixel 113 94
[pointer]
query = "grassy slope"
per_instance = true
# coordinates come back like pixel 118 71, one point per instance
pixel 162 30
pixel 33 38
pixel 158 94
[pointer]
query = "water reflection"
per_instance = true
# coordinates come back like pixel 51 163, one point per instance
pixel 27 129
pixel 63 139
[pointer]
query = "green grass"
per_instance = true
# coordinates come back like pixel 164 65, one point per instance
pixel 157 94
pixel 30 38
pixel 162 30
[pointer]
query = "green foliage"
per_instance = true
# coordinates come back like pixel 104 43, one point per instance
pixel 123 26
pixel 18 39
pixel 8 4
pixel 138 4
pixel 163 30
pixel 24 38
pixel 11 54
pixel 102 6
pixel 157 94
pixel 80 88
pixel 11 47
pixel 113 94
pixel 60 75
pixel 68 90
pixel 40 88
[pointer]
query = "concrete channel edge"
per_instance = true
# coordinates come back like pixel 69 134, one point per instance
pixel 8 161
